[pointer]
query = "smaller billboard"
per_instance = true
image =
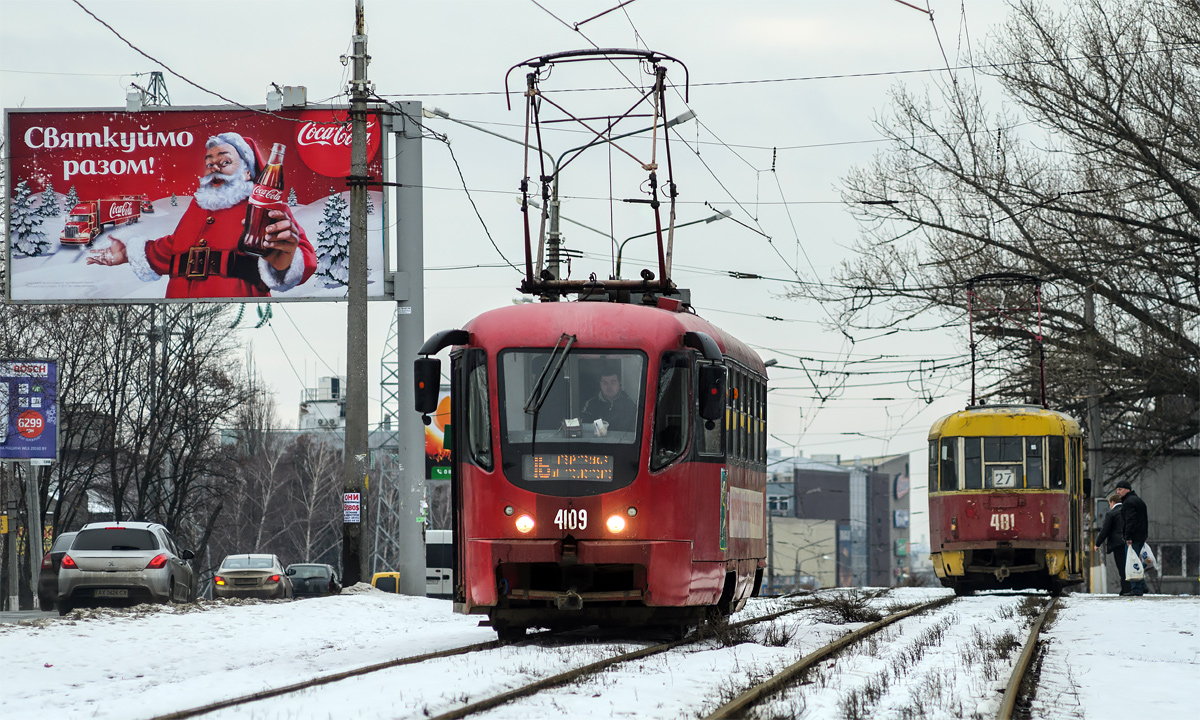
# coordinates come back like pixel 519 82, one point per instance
pixel 28 410
pixel 437 446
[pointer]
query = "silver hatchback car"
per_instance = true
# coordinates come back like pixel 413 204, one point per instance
pixel 124 563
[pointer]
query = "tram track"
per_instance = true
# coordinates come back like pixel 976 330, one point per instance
pixel 472 708
pixel 325 680
pixel 738 706
pixel 1012 691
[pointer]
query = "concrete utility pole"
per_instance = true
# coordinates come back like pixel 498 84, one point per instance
pixel 1095 437
pixel 33 531
pixel 10 508
pixel 410 335
pixel 354 558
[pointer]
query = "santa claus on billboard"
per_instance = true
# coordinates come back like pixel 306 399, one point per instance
pixel 201 256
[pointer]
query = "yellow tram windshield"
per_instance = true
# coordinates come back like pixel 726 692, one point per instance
pixel 1012 447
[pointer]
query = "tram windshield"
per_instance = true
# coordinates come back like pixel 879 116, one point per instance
pixel 595 398
pixel 999 463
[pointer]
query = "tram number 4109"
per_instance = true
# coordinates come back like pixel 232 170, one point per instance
pixel 571 519
pixel 1004 521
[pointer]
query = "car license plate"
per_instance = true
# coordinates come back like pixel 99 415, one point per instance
pixel 112 593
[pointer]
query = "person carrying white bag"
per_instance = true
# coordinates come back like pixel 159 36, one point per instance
pixel 1133 516
pixel 1135 573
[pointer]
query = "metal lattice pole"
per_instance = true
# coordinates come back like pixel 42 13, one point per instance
pixel 385 447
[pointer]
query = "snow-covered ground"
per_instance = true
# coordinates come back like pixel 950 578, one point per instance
pixel 1122 657
pixel 152 660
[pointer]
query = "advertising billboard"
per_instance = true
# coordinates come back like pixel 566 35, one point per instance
pixel 437 445
pixel 28 410
pixel 185 204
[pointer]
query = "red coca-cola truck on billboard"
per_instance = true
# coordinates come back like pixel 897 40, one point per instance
pixel 89 218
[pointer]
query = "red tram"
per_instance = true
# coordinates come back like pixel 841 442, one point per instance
pixel 573 507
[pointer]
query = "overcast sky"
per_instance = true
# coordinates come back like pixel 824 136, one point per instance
pixel 837 62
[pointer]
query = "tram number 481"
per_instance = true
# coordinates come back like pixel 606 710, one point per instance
pixel 1004 521
pixel 571 519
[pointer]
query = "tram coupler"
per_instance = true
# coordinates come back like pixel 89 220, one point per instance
pixel 1002 572
pixel 569 600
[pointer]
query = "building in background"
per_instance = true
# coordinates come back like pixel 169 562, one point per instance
pixel 324 407
pixel 844 523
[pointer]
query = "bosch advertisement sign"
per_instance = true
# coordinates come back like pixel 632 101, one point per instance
pixel 28 410
pixel 185 204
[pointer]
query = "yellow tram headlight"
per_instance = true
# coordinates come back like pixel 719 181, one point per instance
pixel 615 524
pixel 954 526
pixel 524 524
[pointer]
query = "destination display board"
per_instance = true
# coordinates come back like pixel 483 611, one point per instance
pixel 569 466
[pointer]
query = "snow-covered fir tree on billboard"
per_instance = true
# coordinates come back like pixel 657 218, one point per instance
pixel 174 200
pixel 293 201
pixel 28 238
pixel 49 206
pixel 72 200
pixel 333 242
pixel 370 205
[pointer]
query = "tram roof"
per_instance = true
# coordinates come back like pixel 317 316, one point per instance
pixel 599 325
pixel 1002 420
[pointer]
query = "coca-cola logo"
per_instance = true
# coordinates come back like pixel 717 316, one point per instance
pixel 122 210
pixel 323 139
pixel 30 424
pixel 263 195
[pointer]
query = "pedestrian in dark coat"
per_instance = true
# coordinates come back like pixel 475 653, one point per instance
pixel 1112 538
pixel 1134 525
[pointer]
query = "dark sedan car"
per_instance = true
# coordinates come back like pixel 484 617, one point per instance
pixel 48 576
pixel 310 580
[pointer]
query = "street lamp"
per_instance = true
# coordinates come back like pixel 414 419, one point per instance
pixel 800 562
pixel 720 215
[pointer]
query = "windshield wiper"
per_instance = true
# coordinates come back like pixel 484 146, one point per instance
pixel 541 389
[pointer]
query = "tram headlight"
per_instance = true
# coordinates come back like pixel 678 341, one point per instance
pixel 524 524
pixel 954 526
pixel 615 523
pixel 1054 525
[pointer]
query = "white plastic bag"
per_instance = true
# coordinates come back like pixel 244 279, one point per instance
pixel 1133 566
pixel 1148 560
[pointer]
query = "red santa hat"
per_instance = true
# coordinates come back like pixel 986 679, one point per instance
pixel 246 149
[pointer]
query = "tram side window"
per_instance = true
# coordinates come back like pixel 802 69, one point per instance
pixel 933 466
pixel 731 413
pixel 1057 456
pixel 949 464
pixel 479 416
pixel 973 463
pixel 1034 477
pixel 671 409
pixel 762 423
pixel 739 420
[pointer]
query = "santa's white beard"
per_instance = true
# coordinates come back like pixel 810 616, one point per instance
pixel 234 190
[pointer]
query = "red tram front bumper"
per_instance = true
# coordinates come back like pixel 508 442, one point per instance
pixel 663 571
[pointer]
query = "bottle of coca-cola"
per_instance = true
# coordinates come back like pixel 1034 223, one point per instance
pixel 266 196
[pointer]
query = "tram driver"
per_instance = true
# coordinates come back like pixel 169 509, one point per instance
pixel 611 405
